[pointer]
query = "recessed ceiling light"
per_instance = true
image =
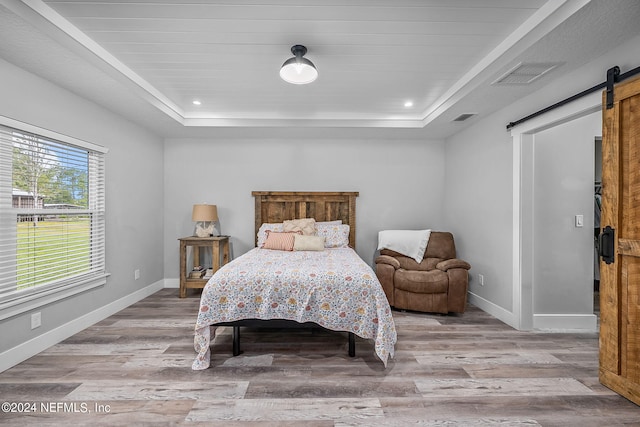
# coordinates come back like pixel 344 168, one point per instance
pixel 196 102
pixel 408 104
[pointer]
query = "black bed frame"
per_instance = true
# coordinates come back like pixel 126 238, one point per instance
pixel 276 323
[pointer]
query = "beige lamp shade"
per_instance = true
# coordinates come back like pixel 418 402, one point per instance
pixel 204 213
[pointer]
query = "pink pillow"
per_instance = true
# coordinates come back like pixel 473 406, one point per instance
pixel 262 232
pixel 280 241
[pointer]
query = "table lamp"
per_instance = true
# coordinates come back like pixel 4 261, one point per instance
pixel 205 217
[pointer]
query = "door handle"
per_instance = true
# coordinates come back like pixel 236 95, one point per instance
pixel 605 243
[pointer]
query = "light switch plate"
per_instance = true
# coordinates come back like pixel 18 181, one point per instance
pixel 579 220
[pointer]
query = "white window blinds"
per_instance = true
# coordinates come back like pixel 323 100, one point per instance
pixel 52 215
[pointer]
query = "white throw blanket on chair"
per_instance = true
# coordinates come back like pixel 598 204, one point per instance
pixel 411 243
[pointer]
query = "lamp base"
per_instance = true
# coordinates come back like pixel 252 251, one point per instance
pixel 205 229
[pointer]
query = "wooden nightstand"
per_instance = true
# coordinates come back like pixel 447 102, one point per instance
pixel 216 243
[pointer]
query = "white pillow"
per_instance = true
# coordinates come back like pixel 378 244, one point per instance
pixel 411 243
pixel 335 222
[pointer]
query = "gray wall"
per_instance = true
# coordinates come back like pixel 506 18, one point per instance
pixel 478 205
pixel 134 194
pixel 564 174
pixel 401 183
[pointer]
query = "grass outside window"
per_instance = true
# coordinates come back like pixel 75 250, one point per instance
pixel 52 248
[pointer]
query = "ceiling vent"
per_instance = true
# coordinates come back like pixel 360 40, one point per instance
pixel 463 117
pixel 525 73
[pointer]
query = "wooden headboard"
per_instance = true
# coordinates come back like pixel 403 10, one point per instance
pixel 278 206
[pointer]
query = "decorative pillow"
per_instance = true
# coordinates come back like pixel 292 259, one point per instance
pixel 280 241
pixel 336 236
pixel 308 243
pixel 306 225
pixel 411 243
pixel 262 232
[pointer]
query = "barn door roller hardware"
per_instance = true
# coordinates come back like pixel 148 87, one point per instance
pixel 612 78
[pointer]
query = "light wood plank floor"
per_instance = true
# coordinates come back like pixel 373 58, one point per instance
pixel 134 369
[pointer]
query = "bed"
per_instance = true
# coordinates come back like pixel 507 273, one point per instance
pixel 330 287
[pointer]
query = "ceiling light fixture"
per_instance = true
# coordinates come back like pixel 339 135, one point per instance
pixel 408 104
pixel 298 70
pixel 196 102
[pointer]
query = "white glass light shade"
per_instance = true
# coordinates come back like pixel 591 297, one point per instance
pixel 298 71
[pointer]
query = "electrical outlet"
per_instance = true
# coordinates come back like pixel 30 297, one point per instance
pixel 136 274
pixel 481 279
pixel 36 320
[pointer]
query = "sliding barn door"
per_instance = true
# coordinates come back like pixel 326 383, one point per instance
pixel 620 244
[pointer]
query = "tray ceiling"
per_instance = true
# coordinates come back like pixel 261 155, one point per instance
pixel 149 60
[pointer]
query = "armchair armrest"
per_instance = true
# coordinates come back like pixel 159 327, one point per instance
pixel 452 263
pixel 386 259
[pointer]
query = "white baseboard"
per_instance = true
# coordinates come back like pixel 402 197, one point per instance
pixel 22 352
pixel 565 322
pixel 493 309
pixel 541 322
pixel 172 283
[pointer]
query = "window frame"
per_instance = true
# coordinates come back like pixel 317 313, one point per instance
pixel 21 301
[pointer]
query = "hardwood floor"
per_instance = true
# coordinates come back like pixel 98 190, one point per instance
pixel 134 369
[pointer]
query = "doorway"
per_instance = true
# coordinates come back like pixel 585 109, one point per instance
pixel 545 296
pixel 563 218
pixel 597 209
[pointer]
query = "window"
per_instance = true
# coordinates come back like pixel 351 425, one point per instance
pixel 52 216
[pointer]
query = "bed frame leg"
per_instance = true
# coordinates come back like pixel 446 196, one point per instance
pixel 236 340
pixel 352 345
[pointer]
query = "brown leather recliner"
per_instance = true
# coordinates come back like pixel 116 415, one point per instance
pixel 438 284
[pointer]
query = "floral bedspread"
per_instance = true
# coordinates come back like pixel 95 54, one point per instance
pixel 334 288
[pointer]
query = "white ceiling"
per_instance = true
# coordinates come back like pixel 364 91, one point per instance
pixel 149 59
